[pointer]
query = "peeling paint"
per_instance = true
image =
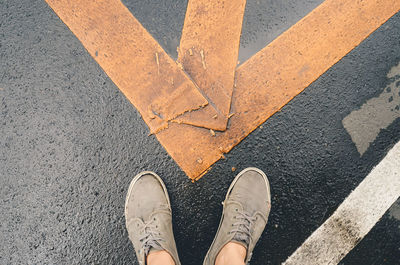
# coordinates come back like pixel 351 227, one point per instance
pixel 365 124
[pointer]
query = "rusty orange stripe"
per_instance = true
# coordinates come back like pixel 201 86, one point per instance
pixel 208 51
pixel 276 74
pixel 135 62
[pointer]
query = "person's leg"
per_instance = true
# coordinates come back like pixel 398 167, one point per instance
pixel 148 220
pixel 160 258
pixel 231 254
pixel 246 209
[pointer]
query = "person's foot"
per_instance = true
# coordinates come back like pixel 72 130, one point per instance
pixel 148 217
pixel 245 214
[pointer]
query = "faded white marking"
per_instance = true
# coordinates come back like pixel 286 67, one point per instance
pixel 376 114
pixel 394 212
pixel 395 71
pixel 355 217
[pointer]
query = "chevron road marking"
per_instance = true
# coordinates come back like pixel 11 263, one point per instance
pixel 167 98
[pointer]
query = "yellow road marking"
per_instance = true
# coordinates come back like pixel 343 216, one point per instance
pixel 276 74
pixel 265 83
pixel 130 56
pixel 208 51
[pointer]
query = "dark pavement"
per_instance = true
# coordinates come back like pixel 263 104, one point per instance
pixel 70 143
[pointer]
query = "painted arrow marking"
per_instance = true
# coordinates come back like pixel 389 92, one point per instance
pixel 264 84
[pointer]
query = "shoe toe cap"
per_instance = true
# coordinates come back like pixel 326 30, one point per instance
pixel 252 191
pixel 146 196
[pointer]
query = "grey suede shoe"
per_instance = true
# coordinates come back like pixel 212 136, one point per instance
pixel 245 213
pixel 148 217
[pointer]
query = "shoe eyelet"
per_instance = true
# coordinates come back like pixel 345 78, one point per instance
pixel 154 218
pixel 236 209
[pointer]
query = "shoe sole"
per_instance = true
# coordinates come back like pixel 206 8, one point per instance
pixel 229 191
pixel 137 177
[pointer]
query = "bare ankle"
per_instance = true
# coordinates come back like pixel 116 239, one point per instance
pixel 161 257
pixel 232 254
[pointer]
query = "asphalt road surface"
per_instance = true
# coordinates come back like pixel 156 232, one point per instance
pixel 70 143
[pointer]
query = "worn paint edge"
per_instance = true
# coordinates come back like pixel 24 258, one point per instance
pixel 355 217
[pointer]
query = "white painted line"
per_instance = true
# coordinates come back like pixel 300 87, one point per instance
pixel 355 217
